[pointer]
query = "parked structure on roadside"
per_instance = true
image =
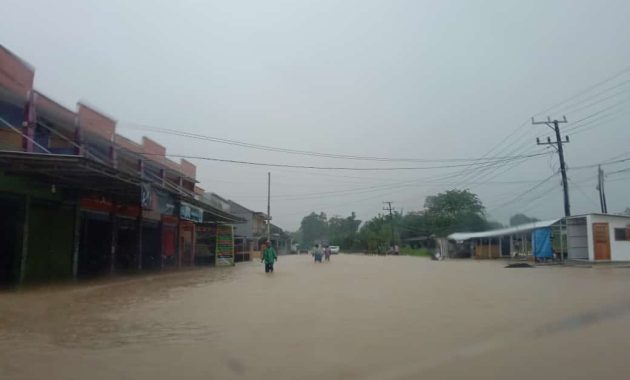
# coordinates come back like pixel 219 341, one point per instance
pixel 590 237
pixel 598 237
pixel 526 239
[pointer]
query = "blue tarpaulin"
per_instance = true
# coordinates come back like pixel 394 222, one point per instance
pixel 541 243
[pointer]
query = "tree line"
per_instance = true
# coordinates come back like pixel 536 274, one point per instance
pixel 442 214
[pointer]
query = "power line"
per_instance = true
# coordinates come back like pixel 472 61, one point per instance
pixel 337 167
pixel 599 112
pixel 585 91
pixel 599 101
pixel 297 151
pixel 526 192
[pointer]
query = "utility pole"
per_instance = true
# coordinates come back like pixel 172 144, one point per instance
pixel 391 219
pixel 269 207
pixel 558 146
pixel 600 188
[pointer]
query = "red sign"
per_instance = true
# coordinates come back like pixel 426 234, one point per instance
pixel 96 204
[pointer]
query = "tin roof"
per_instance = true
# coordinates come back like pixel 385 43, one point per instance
pixel 461 236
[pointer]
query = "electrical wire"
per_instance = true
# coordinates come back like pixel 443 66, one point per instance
pixel 297 151
pixel 206 158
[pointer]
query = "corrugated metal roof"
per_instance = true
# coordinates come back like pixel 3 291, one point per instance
pixel 461 236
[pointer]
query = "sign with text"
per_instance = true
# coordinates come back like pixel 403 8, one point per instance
pixel 225 246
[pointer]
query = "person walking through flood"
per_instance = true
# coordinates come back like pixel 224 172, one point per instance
pixel 327 253
pixel 317 253
pixel 269 257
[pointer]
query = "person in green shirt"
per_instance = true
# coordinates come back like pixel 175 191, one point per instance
pixel 269 257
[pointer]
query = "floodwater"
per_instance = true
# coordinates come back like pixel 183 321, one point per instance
pixel 357 317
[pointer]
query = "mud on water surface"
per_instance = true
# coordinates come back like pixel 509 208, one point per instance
pixel 356 317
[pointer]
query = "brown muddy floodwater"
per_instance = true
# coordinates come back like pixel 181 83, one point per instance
pixel 358 317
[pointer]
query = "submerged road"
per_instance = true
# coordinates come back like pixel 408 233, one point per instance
pixel 357 317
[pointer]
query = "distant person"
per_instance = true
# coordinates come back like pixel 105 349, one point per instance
pixel 317 253
pixel 269 257
pixel 396 249
pixel 327 253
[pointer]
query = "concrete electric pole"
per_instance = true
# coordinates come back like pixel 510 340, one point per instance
pixel 553 124
pixel 600 188
pixel 269 207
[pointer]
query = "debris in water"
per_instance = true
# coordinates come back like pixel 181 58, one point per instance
pixel 519 265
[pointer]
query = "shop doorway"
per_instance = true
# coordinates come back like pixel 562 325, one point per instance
pixel 96 244
pixel 10 240
pixel 151 257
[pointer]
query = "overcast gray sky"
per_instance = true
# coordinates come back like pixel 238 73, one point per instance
pixel 412 79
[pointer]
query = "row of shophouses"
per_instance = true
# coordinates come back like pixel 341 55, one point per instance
pixel 79 200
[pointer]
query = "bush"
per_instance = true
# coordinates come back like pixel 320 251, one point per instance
pixel 421 252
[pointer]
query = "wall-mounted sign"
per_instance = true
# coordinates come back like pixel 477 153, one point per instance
pixel 146 197
pixel 190 212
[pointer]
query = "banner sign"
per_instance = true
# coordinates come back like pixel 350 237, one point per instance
pixel 225 246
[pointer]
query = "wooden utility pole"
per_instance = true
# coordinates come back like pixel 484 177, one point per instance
pixel 553 124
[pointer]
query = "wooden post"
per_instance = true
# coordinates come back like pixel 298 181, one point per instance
pixel 488 250
pixel 77 241
pixel 23 258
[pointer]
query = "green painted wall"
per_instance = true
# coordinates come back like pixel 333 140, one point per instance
pixel 50 242
pixel 24 186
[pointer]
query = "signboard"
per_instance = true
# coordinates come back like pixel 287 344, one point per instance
pixel 224 255
pixel 190 212
pixel 146 197
pixel 165 203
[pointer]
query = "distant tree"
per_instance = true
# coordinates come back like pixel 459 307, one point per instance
pixel 454 210
pixel 414 224
pixel 314 228
pixel 374 234
pixel 493 225
pixel 343 231
pixel 518 219
pixel 296 236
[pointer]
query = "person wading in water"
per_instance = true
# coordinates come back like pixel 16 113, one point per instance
pixel 269 257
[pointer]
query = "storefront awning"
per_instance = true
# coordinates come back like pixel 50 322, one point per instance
pixel 72 173
pixel 212 214
pixel 462 236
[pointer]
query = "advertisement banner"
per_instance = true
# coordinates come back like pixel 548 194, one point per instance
pixel 225 246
